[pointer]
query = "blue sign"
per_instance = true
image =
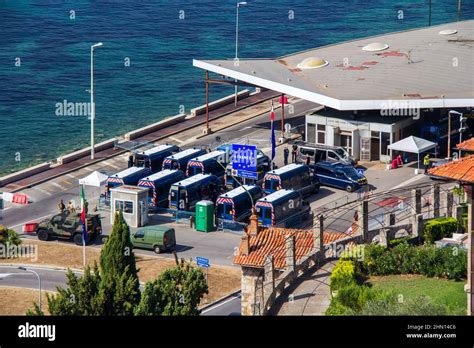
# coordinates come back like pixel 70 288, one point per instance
pixel 244 157
pixel 201 261
pixel 247 174
pixel 360 171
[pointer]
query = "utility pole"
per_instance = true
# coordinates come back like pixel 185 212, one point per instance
pixel 241 3
pixel 97 45
pixel 459 10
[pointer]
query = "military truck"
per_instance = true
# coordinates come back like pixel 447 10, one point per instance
pixel 69 226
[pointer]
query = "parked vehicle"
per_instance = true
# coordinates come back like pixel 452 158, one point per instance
pixel 323 153
pixel 129 176
pixel 283 207
pixel 184 194
pixel 211 163
pixel 339 175
pixel 236 205
pixel 180 160
pixel 263 166
pixel 292 176
pixel 69 226
pixel 153 158
pixel 159 186
pixel 156 238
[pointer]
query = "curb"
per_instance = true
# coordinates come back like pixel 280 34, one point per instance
pixel 125 151
pixel 222 299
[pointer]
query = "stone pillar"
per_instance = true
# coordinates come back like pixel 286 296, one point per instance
pixel 435 195
pixel 364 220
pixel 318 239
pixel 449 203
pixel 458 217
pixel 252 227
pixel 416 200
pixel 389 219
pixel 269 280
pixel 383 235
pixel 417 226
pixel 470 257
pixel 250 298
pixel 290 253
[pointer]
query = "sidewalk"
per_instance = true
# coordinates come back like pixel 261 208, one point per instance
pixel 189 129
pixel 309 295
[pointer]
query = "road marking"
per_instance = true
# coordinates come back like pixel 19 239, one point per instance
pixel 34 220
pixel 176 139
pixel 71 176
pixel 57 185
pixel 42 190
pixel 221 304
pixel 409 181
pixel 109 164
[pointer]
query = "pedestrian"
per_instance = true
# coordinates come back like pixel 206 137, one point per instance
pixel 294 151
pixel 70 208
pixel 61 206
pixel 286 153
pixel 426 162
pixel 130 161
pixel 308 160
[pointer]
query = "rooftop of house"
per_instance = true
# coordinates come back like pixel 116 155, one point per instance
pixel 467 145
pixel 460 170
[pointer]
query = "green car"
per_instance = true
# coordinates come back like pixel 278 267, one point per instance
pixel 156 238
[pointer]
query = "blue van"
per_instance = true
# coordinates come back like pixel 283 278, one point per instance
pixel 284 207
pixel 236 205
pixel 292 176
pixel 184 194
pixel 129 176
pixel 181 159
pixel 153 158
pixel 339 175
pixel 210 163
pixel 159 185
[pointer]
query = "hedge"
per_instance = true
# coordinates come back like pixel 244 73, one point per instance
pixel 436 229
pixel 342 275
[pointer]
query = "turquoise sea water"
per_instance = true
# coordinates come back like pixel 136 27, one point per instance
pixel 160 38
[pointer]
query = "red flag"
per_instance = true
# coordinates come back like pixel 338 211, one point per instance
pixel 272 113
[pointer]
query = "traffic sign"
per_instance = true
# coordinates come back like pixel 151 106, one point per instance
pixel 247 174
pixel 203 262
pixel 360 171
pixel 244 157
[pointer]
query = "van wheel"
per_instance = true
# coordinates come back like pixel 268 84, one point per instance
pixel 42 235
pixel 349 188
pixel 157 249
pixel 77 239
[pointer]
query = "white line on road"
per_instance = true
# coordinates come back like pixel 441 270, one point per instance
pixel 176 139
pixel 71 176
pixel 233 298
pixel 42 190
pixel 34 220
pixel 57 185
pixel 109 164
pixel 409 181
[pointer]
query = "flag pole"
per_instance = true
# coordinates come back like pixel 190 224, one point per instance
pixel 83 218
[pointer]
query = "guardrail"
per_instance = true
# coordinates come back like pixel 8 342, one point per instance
pixel 85 152
pixel 5 180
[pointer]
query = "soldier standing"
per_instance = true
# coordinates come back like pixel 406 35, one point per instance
pixel 61 206
pixel 286 153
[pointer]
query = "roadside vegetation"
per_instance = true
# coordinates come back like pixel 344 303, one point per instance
pixel 111 288
pixel 400 280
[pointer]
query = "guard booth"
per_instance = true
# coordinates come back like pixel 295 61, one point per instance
pixel 205 216
pixel 133 201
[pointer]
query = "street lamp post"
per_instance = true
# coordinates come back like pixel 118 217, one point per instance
pixel 453 112
pixel 39 281
pixel 97 45
pixel 241 3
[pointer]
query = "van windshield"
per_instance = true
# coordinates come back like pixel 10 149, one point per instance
pixel 350 172
pixel 341 153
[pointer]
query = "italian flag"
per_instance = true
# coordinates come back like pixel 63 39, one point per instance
pixel 83 215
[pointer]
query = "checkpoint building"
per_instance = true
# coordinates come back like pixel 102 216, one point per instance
pixel 374 91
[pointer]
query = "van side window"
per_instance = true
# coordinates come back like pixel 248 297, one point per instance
pixel 140 234
pixel 332 155
pixel 323 171
pixel 320 155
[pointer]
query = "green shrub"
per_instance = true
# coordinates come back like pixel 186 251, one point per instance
pixel 408 239
pixel 436 229
pixel 454 262
pixel 336 308
pixel 372 253
pixel 342 275
pixel 420 305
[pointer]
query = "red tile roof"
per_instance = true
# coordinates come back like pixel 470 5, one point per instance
pixel 461 170
pixel 273 241
pixel 467 145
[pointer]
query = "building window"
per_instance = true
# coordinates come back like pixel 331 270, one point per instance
pixel 125 206
pixel 321 134
pixel 385 141
pixel 346 142
pixel 311 133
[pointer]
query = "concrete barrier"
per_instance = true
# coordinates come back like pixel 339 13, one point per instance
pixel 219 103
pixel 170 121
pixel 24 173
pixel 86 151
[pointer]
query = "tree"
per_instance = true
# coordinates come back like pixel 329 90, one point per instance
pixel 176 291
pixel 9 236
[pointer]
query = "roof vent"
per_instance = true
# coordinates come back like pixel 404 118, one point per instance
pixel 312 63
pixel 375 47
pixel 448 32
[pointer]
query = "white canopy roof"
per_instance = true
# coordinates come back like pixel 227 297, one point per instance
pixel 412 144
pixel 95 178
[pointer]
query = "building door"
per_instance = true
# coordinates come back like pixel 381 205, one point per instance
pixel 311 133
pixel 346 142
pixel 375 146
pixel 365 149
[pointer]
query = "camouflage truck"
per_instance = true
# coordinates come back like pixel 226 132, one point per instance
pixel 69 226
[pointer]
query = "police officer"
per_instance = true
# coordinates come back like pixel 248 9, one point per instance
pixel 61 206
pixel 286 153
pixel 426 162
pixel 294 151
